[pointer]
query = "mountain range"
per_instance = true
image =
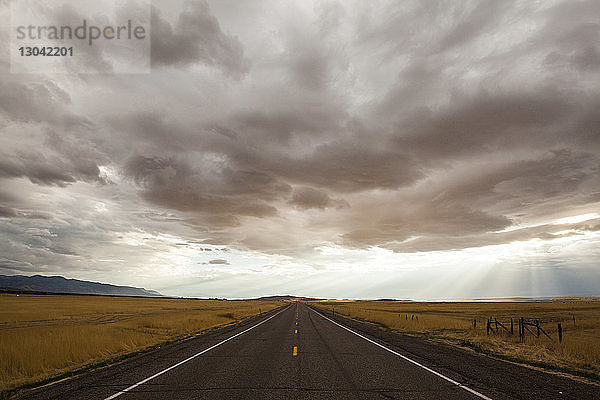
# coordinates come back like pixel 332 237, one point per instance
pixel 59 284
pixel 286 297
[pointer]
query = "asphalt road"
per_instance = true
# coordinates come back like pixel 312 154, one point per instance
pixel 300 353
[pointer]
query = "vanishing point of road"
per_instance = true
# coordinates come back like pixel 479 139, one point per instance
pixel 298 352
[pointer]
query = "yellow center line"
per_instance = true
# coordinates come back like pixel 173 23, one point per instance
pixel 295 352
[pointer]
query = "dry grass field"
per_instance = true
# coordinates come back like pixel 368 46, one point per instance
pixel 579 352
pixel 45 336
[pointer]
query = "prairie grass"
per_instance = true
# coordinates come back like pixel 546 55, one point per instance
pixel 45 336
pixel 579 352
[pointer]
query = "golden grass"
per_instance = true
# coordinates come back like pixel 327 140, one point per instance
pixel 44 336
pixel 578 353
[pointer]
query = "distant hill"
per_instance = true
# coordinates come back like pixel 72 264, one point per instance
pixel 58 284
pixel 286 297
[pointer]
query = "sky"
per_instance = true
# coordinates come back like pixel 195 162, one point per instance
pixel 349 149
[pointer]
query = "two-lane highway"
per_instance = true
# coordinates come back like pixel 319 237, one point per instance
pixel 293 353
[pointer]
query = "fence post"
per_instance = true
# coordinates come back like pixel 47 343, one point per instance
pixel 474 323
pixel 559 332
pixel 487 327
pixel 511 326
pixel 333 310
pixel 573 320
pixel 522 326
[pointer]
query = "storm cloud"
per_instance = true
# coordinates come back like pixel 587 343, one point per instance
pixel 196 37
pixel 279 128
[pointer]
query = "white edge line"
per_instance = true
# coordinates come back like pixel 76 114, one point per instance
pixel 189 358
pixel 468 389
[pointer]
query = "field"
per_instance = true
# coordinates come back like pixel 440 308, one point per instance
pixel 579 352
pixel 45 336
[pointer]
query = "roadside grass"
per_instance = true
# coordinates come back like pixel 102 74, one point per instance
pixel 42 337
pixel 578 354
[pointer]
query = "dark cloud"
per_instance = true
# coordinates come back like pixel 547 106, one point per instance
pixel 520 185
pixel 44 140
pixel 38 101
pixel 306 198
pixel 47 171
pixel 15 266
pixel 426 126
pixel 196 37
pixel 435 219
pixel 479 202
pixel 348 166
pixel 284 126
pixel 487 122
pixel 6 212
pixel 176 184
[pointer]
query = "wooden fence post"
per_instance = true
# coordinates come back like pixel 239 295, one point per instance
pixel 522 326
pixel 511 326
pixel 573 320
pixel 474 323
pixel 559 332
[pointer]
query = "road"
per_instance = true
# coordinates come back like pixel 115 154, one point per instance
pixel 302 353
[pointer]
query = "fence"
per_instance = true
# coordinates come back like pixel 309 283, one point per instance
pixel 533 326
